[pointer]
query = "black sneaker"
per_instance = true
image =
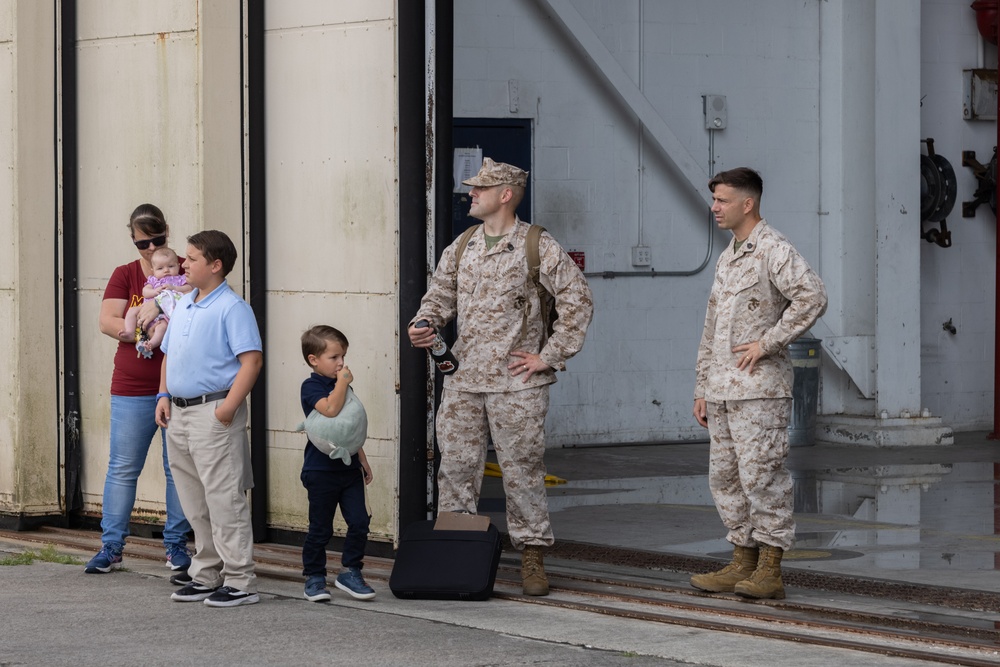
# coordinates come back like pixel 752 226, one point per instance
pixel 227 596
pixel 181 579
pixel 193 592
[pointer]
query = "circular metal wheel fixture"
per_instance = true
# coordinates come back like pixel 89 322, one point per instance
pixel 938 189
pixel 991 176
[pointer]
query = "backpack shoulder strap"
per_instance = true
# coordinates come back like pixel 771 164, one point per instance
pixel 531 250
pixel 534 267
pixel 463 243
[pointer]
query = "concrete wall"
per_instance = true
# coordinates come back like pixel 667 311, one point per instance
pixel 634 380
pixel 958 283
pixel 160 121
pixel 595 192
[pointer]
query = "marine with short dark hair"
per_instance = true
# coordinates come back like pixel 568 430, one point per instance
pixel 764 296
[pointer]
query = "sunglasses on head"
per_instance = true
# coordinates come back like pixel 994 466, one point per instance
pixel 144 243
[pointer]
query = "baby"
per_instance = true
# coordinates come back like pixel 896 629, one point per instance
pixel 166 286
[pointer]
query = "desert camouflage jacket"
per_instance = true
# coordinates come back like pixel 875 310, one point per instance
pixel 765 292
pixel 492 301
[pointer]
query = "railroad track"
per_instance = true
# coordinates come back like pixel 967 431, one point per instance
pixel 957 643
pixel 946 635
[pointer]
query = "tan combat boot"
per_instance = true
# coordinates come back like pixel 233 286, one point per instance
pixel 724 580
pixel 533 577
pixel 765 582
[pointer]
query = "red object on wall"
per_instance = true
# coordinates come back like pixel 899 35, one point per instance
pixel 986 19
pixel 579 257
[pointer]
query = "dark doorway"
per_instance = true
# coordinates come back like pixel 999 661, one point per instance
pixel 503 139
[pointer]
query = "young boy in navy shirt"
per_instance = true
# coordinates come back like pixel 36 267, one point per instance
pixel 329 481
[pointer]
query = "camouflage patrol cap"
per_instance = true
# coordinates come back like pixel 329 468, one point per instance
pixel 498 173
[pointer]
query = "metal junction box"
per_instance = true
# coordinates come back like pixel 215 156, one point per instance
pixel 980 100
pixel 716 112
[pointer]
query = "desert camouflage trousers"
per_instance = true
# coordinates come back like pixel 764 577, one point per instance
pixel 516 421
pixel 750 484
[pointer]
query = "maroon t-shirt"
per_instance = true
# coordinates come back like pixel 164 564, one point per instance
pixel 134 375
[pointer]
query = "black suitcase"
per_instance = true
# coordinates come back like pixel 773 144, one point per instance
pixel 445 564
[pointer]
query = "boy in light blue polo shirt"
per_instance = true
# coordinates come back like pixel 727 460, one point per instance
pixel 212 355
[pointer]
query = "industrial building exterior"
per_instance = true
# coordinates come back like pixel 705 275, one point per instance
pixel 325 137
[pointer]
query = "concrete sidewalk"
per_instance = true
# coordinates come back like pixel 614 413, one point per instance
pixel 55 614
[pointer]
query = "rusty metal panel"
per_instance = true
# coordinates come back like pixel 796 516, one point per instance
pixel 370 325
pixel 8 249
pixel 8 413
pixel 139 141
pixel 103 19
pixel 6 21
pixel 29 435
pixel 96 363
pixel 331 111
pixel 332 211
pixel 311 13
pixel 8 268
pixel 145 126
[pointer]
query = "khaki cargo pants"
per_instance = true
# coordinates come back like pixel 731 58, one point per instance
pixel 516 421
pixel 750 484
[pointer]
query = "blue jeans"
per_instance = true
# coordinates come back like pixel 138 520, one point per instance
pixel 133 425
pixel 327 489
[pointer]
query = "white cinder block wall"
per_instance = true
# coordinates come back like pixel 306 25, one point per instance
pixel 634 380
pixel 957 283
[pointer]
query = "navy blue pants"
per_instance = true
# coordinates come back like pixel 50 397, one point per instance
pixel 326 490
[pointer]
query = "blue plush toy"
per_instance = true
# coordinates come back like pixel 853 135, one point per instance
pixel 342 436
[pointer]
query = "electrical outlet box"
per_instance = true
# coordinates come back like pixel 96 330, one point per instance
pixel 716 112
pixel 642 255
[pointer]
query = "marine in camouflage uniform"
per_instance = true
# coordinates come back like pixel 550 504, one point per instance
pixel 764 296
pixel 506 362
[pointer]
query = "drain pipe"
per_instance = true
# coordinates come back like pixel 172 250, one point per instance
pixel 987 13
pixel 256 200
pixel 420 148
pixel 609 275
pixel 642 128
pixel 653 273
pixel 431 155
pixel 73 457
pixel 996 296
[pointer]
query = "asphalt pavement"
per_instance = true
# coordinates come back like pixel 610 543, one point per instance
pixel 54 614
